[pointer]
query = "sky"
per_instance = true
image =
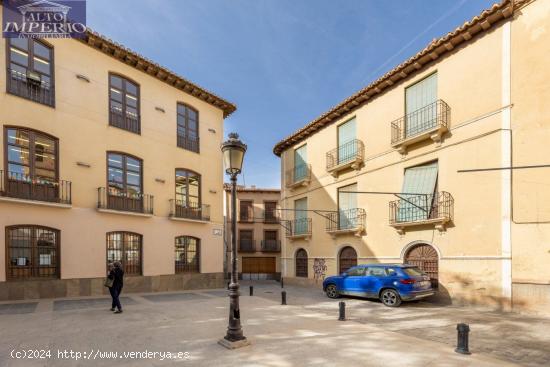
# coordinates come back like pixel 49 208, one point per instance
pixel 282 62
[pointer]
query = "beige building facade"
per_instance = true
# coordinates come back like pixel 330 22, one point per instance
pixel 106 156
pixel 259 232
pixel 415 168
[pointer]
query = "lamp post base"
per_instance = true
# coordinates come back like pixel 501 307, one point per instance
pixel 233 345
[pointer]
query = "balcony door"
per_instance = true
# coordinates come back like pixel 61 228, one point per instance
pixel 188 194
pixel 300 163
pixel 347 204
pixel 418 97
pixel 347 133
pixel 422 181
pixel 300 216
pixel 31 162
pixel 124 182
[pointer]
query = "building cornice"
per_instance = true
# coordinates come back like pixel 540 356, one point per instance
pixel 133 59
pixel 480 24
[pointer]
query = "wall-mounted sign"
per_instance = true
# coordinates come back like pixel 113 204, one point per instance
pixel 217 232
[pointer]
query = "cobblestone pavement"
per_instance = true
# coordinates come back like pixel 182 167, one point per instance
pixel 303 333
pixel 508 336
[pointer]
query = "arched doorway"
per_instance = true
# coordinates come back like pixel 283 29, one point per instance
pixel 347 258
pixel 301 263
pixel 425 258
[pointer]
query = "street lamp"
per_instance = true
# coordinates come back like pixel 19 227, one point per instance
pixel 233 154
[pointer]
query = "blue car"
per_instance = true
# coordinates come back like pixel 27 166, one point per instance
pixel 391 283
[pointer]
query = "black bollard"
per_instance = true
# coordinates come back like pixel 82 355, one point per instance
pixel 283 297
pixel 462 339
pixel 251 290
pixel 342 311
pixel 282 283
pixel 227 285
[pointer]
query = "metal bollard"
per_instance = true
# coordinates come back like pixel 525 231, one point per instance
pixel 228 285
pixel 251 290
pixel 283 297
pixel 462 339
pixel 282 283
pixel 342 311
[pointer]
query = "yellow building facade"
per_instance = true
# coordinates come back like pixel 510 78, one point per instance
pixel 259 232
pixel 106 156
pixel 416 166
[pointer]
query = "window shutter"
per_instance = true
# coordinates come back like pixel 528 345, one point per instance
pixel 418 180
pixel 417 97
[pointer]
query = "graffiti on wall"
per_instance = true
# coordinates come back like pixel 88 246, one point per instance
pixel 319 269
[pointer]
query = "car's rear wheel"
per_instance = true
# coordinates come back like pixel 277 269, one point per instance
pixel 331 291
pixel 390 298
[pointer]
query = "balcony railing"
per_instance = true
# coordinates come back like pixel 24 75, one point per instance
pixel 422 209
pixel 246 245
pixel 298 175
pixel 179 209
pixel 124 201
pixel 349 220
pixel 298 228
pixel 271 245
pixel 349 154
pixel 433 117
pixel 270 216
pixel 125 121
pixel 188 143
pixel 19 186
pixel 21 85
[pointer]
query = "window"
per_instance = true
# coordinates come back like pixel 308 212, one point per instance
pixel 188 194
pixel 270 211
pixel 246 240
pixel 188 128
pixel 124 181
pixel 30 70
pixel 348 259
pixel 419 189
pixel 417 99
pixel 301 263
pixel 125 247
pixel 270 235
pixel 300 215
pixel 270 242
pixel 347 207
pixel 31 162
pixel 300 163
pixel 246 213
pixel 33 252
pixel 124 104
pixel 376 272
pixel 187 254
pixel 356 272
pixel 347 149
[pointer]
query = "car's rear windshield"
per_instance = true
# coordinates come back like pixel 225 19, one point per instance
pixel 413 272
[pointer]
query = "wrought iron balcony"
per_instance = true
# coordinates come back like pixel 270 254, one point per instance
pixel 270 216
pixel 18 186
pixel 431 121
pixel 298 176
pixel 247 245
pixel 346 221
pixel 271 246
pixel 19 84
pixel 179 209
pixel 298 228
pixel 348 155
pixel 188 143
pixel 422 210
pixel 110 199
pixel 126 121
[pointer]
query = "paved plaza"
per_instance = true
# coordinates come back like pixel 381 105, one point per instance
pixel 306 332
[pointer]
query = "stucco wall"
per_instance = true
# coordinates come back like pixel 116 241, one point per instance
pixel 80 122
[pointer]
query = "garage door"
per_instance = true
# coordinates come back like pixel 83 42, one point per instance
pixel 259 265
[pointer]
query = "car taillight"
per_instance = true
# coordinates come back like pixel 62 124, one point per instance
pixel 407 281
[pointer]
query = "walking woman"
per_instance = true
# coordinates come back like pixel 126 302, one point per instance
pixel 116 274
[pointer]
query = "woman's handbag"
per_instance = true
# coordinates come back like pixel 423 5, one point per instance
pixel 108 282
